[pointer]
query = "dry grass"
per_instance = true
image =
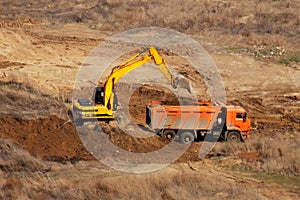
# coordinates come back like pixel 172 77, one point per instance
pixel 15 159
pixel 23 176
pixel 247 18
pixel 132 188
pixel 261 23
pixel 28 178
pixel 21 98
pixel 184 185
pixel 276 155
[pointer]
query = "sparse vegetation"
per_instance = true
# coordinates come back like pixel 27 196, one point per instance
pixel 273 155
pixel 246 18
pixel 290 59
pixel 29 177
pixel 290 182
pixel 19 95
pixel 15 159
pixel 43 44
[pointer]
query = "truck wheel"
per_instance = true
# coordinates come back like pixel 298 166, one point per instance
pixel 186 138
pixel 233 136
pixel 169 134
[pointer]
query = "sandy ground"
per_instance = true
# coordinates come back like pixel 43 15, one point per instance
pixel 39 62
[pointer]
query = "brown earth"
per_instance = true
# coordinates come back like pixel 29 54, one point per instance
pixel 50 138
pixel 254 45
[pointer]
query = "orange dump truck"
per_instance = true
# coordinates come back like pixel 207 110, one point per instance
pixel 193 122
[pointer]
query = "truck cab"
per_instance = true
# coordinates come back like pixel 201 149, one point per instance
pixel 237 121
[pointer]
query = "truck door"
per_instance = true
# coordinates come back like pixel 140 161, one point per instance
pixel 241 121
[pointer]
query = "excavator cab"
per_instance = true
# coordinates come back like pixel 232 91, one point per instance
pixel 99 95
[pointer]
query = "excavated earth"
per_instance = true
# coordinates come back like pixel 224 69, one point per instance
pixel 36 102
pixel 55 137
pixel 42 52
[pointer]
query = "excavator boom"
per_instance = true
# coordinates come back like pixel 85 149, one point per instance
pixel 103 102
pixel 131 64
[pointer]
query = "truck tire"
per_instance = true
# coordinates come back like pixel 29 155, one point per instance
pixel 169 134
pixel 186 138
pixel 233 136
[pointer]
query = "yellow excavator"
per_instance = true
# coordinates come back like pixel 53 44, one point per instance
pixel 104 99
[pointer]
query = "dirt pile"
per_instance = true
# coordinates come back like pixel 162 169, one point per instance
pixel 50 137
pixel 55 139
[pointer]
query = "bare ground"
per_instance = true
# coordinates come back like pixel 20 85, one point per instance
pixel 254 45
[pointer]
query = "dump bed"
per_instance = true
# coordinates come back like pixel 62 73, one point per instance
pixel 196 117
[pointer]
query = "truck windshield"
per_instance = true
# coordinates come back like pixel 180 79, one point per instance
pixel 241 116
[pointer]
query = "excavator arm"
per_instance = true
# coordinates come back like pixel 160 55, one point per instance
pixel 103 104
pixel 131 64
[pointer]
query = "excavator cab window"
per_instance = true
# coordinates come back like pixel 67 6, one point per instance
pixel 98 96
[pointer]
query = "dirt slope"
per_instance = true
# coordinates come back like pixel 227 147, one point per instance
pixel 42 46
pixel 49 138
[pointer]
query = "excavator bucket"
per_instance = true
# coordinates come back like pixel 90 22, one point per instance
pixel 182 82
